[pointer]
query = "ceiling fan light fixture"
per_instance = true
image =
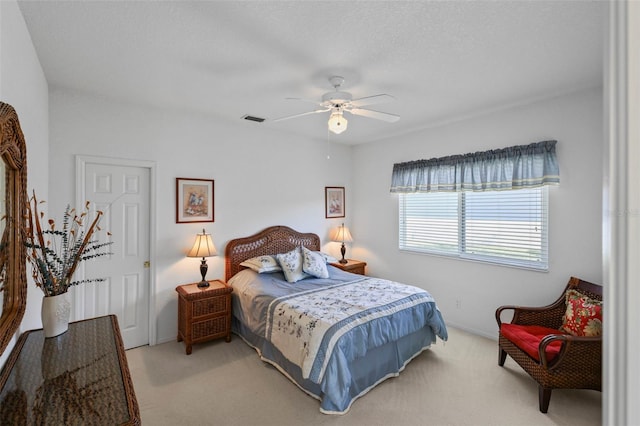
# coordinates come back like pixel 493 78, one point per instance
pixel 337 123
pixel 338 102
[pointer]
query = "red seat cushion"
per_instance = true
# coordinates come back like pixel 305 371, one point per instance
pixel 528 337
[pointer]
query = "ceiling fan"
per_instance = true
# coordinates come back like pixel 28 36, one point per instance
pixel 339 102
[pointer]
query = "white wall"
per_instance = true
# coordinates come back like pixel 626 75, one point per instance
pixel 23 86
pixel 262 178
pixel 575 208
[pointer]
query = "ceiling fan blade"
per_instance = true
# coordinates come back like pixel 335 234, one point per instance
pixel 301 114
pixel 372 100
pixel 384 116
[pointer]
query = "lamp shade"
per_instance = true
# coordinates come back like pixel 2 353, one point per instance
pixel 337 123
pixel 203 246
pixel 342 235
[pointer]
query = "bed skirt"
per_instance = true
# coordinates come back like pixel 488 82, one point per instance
pixel 336 391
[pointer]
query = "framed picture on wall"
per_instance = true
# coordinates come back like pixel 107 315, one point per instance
pixel 194 200
pixel 334 201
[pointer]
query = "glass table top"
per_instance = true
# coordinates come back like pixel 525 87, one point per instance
pixel 78 377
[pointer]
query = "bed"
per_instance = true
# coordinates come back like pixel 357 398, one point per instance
pixel 334 334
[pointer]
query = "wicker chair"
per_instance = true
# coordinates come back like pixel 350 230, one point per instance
pixel 578 363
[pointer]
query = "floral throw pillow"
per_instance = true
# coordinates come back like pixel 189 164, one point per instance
pixel 262 264
pixel 313 263
pixel 291 264
pixel 583 316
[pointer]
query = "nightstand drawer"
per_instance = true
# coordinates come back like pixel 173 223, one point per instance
pixel 210 306
pixel 210 328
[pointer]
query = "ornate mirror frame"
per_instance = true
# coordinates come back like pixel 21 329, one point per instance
pixel 13 280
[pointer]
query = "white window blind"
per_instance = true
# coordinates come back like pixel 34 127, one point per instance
pixel 504 227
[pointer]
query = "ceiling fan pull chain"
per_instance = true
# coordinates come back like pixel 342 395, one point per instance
pixel 328 151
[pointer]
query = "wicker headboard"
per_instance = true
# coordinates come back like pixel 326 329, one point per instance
pixel 273 240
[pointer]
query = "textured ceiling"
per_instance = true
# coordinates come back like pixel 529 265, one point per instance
pixel 441 60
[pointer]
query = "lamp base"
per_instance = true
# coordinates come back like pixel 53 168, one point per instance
pixel 343 251
pixel 203 271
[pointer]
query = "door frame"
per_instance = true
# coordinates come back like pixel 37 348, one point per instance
pixel 81 163
pixel 621 207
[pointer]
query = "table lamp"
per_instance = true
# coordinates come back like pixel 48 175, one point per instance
pixel 342 235
pixel 203 247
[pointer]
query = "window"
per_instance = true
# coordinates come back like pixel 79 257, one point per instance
pixel 504 227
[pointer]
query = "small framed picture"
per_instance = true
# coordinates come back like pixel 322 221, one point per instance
pixel 334 201
pixel 194 200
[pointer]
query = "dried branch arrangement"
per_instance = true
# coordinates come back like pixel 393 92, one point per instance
pixel 54 254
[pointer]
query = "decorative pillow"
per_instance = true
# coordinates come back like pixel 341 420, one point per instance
pixel 583 316
pixel 327 257
pixel 313 263
pixel 291 264
pixel 262 264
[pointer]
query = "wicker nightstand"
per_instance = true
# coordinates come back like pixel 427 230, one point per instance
pixel 353 266
pixel 204 313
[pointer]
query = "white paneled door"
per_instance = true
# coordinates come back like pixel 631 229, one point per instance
pixel 122 192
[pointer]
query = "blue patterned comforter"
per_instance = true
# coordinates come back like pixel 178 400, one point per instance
pixel 305 327
pixel 316 329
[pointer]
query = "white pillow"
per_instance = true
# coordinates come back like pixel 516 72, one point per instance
pixel 314 263
pixel 262 264
pixel 291 264
pixel 327 257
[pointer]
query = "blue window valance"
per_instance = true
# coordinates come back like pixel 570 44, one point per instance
pixel 515 167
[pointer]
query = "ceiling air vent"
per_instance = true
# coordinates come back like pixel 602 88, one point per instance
pixel 253 118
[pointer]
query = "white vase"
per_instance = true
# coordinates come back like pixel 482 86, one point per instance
pixel 55 314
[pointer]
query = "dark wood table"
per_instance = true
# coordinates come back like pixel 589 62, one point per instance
pixel 80 377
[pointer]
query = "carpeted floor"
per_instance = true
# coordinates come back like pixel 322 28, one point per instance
pixel 455 383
